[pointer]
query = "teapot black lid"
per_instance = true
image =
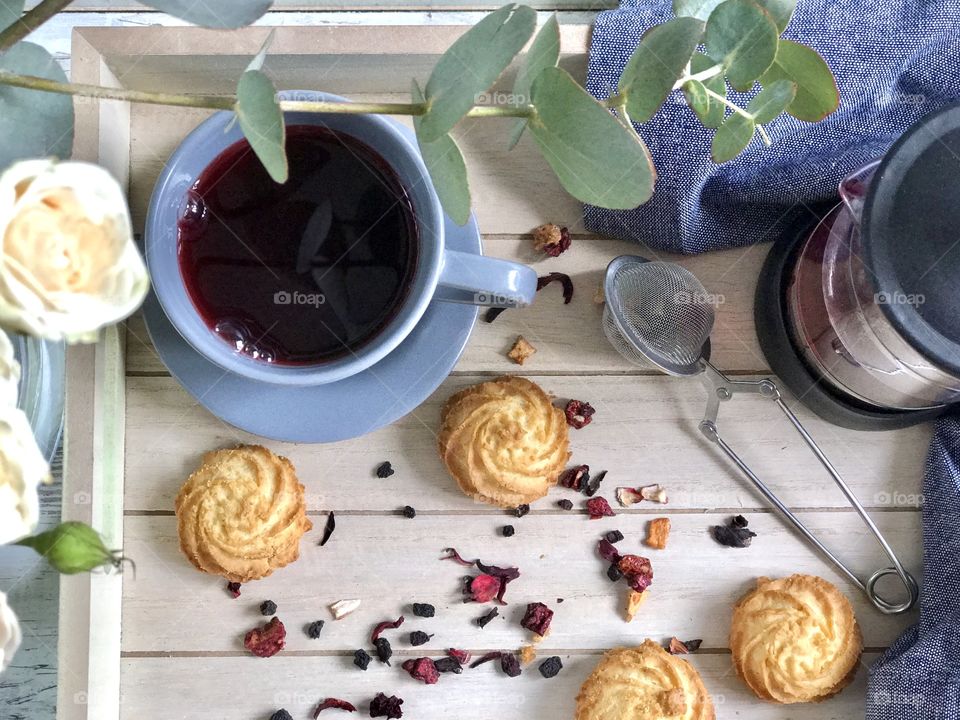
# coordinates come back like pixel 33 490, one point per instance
pixel 911 236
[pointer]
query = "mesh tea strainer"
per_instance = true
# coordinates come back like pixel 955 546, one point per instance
pixel 659 315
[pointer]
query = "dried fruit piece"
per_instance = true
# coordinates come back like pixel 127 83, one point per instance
pixel 627 496
pixel 507 530
pixel 739 521
pixel 384 650
pixel 693 645
pixel 637 570
pixel 481 589
pixel 658 530
pixel 537 618
pixel 607 551
pixel 386 707
pixel 385 470
pixel 614 536
pixel 361 659
pixel 598 507
pixel 579 414
pixel 234 589
pixel 510 665
pixel 502 575
pixel 448 665
pixel 333 704
pixel 677 647
pixel 408 512
pixel 342 608
pixel 268 608
pixel 551 239
pixel 634 601
pixel 461 656
pixel 575 477
pixel 385 625
pixel 484 620
pixel 268 640
pixel 419 637
pixel 528 653
pixel 424 610
pixel 521 510
pixel 593 483
pixel 328 528
pixel 314 628
pixel 734 534
pixel 551 667
pixel 563 278
pixel 521 351
pixel 653 493
pixel 281 714
pixel 422 669
pixel 495 655
pixel 565 504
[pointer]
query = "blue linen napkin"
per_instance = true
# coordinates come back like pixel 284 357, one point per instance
pixel 895 61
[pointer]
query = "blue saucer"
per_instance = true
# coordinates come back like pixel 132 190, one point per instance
pixel 335 411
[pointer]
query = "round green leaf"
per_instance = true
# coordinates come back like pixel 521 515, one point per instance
pixel 657 63
pixel 33 124
pixel 472 64
pixel 732 137
pixel 597 158
pixel 708 109
pixel 780 10
pixel 772 100
pixel 699 9
pixel 10 12
pixel 213 13
pixel 261 121
pixel 447 169
pixel 543 53
pixel 743 36
pixel 817 94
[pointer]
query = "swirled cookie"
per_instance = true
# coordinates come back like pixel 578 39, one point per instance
pixel 241 514
pixel 503 441
pixel 795 639
pixel 644 683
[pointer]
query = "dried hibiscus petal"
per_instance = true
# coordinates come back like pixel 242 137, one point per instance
pixel 495 655
pixel 598 507
pixel 328 528
pixel 486 619
pixel 574 477
pixel 268 640
pixel 422 669
pixel 579 414
pixel 510 664
pixel 461 656
pixel 452 554
pixel 607 551
pixel 564 279
pixel 481 588
pixel 386 707
pixel 593 484
pixel 385 625
pixel 333 704
pixel 537 618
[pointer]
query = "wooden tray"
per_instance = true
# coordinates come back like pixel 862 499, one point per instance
pixel 180 654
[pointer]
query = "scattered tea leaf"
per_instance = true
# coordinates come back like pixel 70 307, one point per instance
pixel 657 63
pixel 543 53
pixel 616 173
pixel 708 109
pixel 817 95
pixel 732 137
pixel 743 36
pixel 232 14
pixel 772 100
pixel 261 121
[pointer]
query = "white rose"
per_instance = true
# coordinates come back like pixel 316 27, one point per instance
pixel 9 372
pixel 9 633
pixel 68 263
pixel 22 469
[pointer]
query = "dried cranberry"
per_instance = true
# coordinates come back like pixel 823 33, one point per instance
pixel 422 669
pixel 448 664
pixel 482 588
pixel 333 704
pixel 485 619
pixel 314 628
pixel 385 470
pixel 268 640
pixel 521 510
pixel 537 618
pixel 598 507
pixel 461 656
pixel 565 504
pixel 564 279
pixel 386 707
pixel 550 667
pixel 268 608
pixel 419 637
pixel 614 536
pixel 574 477
pixel 579 413
pixel 384 650
pixel 385 625
pixel 234 589
pixel 509 664
pixel 361 659
pixel 593 483
pixel 495 655
pixel 607 551
pixel 507 530
pixel 328 528
pixel 282 714
pixel 408 512
pixel 424 610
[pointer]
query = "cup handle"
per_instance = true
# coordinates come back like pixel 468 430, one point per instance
pixel 472 279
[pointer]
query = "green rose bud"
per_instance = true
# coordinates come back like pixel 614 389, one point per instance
pixel 73 547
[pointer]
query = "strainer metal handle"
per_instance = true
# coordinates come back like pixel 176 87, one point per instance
pixel 720 388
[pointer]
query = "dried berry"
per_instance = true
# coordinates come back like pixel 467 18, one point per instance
pixel 422 669
pixel 281 714
pixel 424 610
pixel 384 651
pixel 495 655
pixel 234 589
pixel 537 619
pixel 598 507
pixel 419 637
pixel 507 530
pixel 550 667
pixel 521 510
pixel 614 536
pixel 510 664
pixel 268 640
pixel 461 656
pixel 734 534
pixel 484 620
pixel 614 573
pixel 361 659
pixel 386 707
pixel 314 629
pixel 385 470
pixel 328 528
pixel 481 589
pixel 607 551
pixel 565 504
pixel 579 414
pixel 333 704
pixel 448 665
pixel 574 477
pixel 564 279
pixel 408 512
pixel 593 483
pixel 739 521
pixel 551 239
pixel 268 608
pixel 385 625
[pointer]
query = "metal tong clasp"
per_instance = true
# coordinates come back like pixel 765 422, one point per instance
pixel 720 388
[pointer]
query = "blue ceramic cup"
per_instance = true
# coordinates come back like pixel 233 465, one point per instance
pixel 441 274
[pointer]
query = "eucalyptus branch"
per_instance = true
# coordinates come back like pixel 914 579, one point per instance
pixel 30 21
pixel 762 132
pixel 700 76
pixel 733 106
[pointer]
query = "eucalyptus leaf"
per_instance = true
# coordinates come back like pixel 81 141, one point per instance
pixel 596 157
pixel 448 171
pixel 33 124
pixel 261 121
pixel 732 137
pixel 743 36
pixel 699 9
pixel 10 12
pixel 817 94
pixel 260 58
pixel 213 13
pixel 772 100
pixel 657 64
pixel 472 64
pixel 708 109
pixel 780 10
pixel 543 53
